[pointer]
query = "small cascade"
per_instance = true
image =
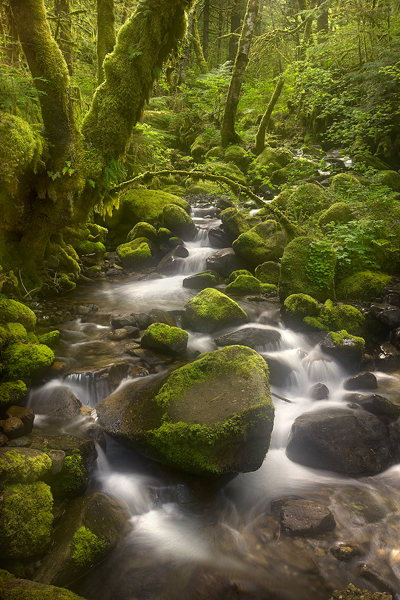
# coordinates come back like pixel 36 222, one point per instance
pixel 89 387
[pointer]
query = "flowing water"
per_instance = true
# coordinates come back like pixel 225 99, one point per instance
pixel 194 540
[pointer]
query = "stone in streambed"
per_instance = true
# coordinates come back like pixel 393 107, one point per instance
pixel 225 261
pixel 347 349
pixel 160 336
pixel 211 417
pixel 59 404
pixel 252 337
pixel 26 415
pixel 211 310
pixel 201 281
pixel 361 381
pixel 305 517
pixel 353 593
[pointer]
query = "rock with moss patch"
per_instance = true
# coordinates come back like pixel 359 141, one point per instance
pixel 390 178
pixel 12 393
pixel 363 285
pixel 178 221
pixel 217 152
pixel 73 478
pixel 25 519
pixel 89 531
pixel 211 310
pixel 345 348
pixel 298 306
pixel 12 311
pixel 247 284
pixel 27 360
pixel 160 336
pixel 307 200
pixel 50 339
pixel 268 272
pixel 308 267
pixel 236 274
pixel 342 316
pixel 22 465
pixel 24 589
pixel 343 184
pixel 201 281
pixel 340 212
pixel 210 417
pixel 143 230
pixel 236 222
pixel 273 159
pixel 353 593
pixel 238 156
pixel 264 242
pixel 138 254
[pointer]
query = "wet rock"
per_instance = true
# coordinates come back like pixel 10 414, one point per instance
pixel 203 280
pixel 319 391
pixel 3 439
pixel 345 348
pixel 70 444
pixel 279 370
pixel 160 336
pixel 88 532
pixel 306 518
pixel 122 322
pixel 225 261
pixel 353 593
pixel 341 441
pixel 57 458
pixel 218 238
pixel 59 404
pixel 362 381
pixel 26 415
pixel 388 358
pixel 378 405
pixel 211 310
pixel 369 574
pixel 157 315
pixel 142 320
pixel 24 588
pixel 345 552
pixel 252 337
pixel 12 427
pixel 150 357
pixel 118 335
pixel 387 314
pixel 171 263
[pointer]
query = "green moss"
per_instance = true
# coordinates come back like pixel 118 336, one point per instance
pixel 342 338
pixel 203 187
pixel 73 478
pixel 176 190
pixel 229 170
pixel 32 338
pixel 216 152
pixel 164 337
pixel 33 591
pixel 268 272
pixel 50 338
pixel 307 200
pixel 363 285
pixel 163 235
pixel 176 219
pixel 301 305
pixel 17 331
pixel 341 317
pixel 12 394
pixel 87 247
pixel 315 323
pixel 264 242
pixel 343 185
pixel 236 274
pixel 12 311
pixel 238 156
pixel 137 254
pixel 273 159
pixel 210 310
pixel 337 213
pixel 139 205
pixel 236 222
pixel 25 520
pixel 27 360
pixel 20 466
pixel 5 336
pixel 88 549
pixel 390 178
pixel 66 282
pixel 245 284
pixel 142 230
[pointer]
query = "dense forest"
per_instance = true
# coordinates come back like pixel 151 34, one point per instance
pixel 264 137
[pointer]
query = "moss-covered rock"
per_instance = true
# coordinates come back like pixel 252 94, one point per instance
pixel 176 219
pixel 12 311
pixel 264 242
pixel 211 310
pixel 72 479
pixel 25 519
pixel 142 230
pixel 236 222
pixel 12 393
pixel 363 285
pixel 308 267
pixel 201 281
pixel 301 305
pixel 247 284
pixel 138 254
pixel 87 238
pixel 238 156
pixel 22 465
pixel 163 337
pixel 203 143
pixel 24 589
pixel 307 200
pixel 390 178
pixel 236 274
pixel 274 158
pixel 27 360
pixel 344 184
pixel 217 152
pixel 50 339
pixel 342 316
pixel 268 272
pixel 340 212
pixel 344 347
pixel 370 161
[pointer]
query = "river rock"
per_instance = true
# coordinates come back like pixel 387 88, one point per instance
pixel 12 427
pixel 22 465
pixel 387 358
pixel 319 391
pixel 252 337
pixel 213 416
pixel 306 518
pixel 264 242
pixel 379 405
pixel 353 593
pixel 157 315
pixel 59 404
pixel 89 531
pixel 26 415
pixel 211 310
pixel 225 261
pixel 160 336
pixel 279 370
pixel 218 238
pixel 121 322
pixel 361 381
pixel 203 280
pixel 353 443
pixel 387 314
pixel 170 263
pixel 347 349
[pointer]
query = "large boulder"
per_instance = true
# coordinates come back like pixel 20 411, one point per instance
pixel 363 285
pixel 264 242
pixel 235 222
pixel 12 393
pixel 225 261
pixel 27 360
pixel 201 281
pixel 176 219
pixel 308 267
pixel 247 284
pixel 352 443
pixel 23 465
pixel 211 310
pixel 252 337
pixel 211 417
pixel 59 404
pixel 12 311
pixel 345 348
pixel 137 254
pixel 307 200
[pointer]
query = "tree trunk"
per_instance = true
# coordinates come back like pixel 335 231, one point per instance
pixel 260 136
pixel 198 49
pixel 206 27
pixel 183 64
pixel 64 32
pixel 105 34
pixel 236 19
pixel 228 133
pixel 323 21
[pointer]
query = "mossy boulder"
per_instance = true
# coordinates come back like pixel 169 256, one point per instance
pixel 342 316
pixel 226 169
pixel 176 219
pixel 24 589
pixel 201 281
pixel 138 254
pixel 268 272
pixel 343 185
pixel 301 305
pixel 236 222
pixel 211 417
pixel 12 311
pixel 25 519
pixel 12 393
pixel 160 336
pixel 86 238
pixel 50 339
pixel 211 310
pixel 237 155
pixel 274 158
pixel 27 360
pixel 340 212
pixel 143 230
pixel 247 284
pixel 370 161
pixel 307 200
pixel 308 267
pixel 236 274
pixel 22 465
pixel 346 348
pixel 264 242
pixel 73 478
pixel 390 178
pixel 217 152
pixel 363 285
pixel 203 143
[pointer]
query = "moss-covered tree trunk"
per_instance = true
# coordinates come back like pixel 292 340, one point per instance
pixel 105 34
pixel 198 48
pixel 260 136
pixel 64 32
pixel 228 133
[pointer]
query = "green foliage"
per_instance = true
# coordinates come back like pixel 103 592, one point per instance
pixel 88 549
pixel 321 263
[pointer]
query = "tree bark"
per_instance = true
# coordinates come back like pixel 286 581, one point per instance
pixel 105 34
pixel 228 133
pixel 260 136
pixel 184 61
pixel 198 49
pixel 64 32
pixel 206 27
pixel 236 19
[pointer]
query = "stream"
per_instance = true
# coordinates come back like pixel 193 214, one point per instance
pixel 223 541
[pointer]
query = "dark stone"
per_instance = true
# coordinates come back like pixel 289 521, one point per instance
pixel 378 405
pixel 388 358
pixel 346 552
pixel 225 262
pixel 58 404
pixel 121 322
pixel 362 381
pixel 201 281
pixel 305 517
pixel 387 314
pixel 319 391
pixel 252 337
pixel 349 354
pixel 3 439
pixel 156 315
pixel 341 441
pixel 218 238
pixel 395 339
pixel 279 371
pixel 369 574
pixel 13 428
pixel 171 263
pixel 26 415
pixel 143 320
pixel 150 357
pixel 181 252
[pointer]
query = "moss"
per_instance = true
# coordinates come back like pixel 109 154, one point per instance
pixel 176 190
pixel 203 187
pixel 27 360
pixel 50 338
pixel 200 281
pixel 343 184
pixel 315 324
pixel 342 316
pixel 245 284
pixel 176 219
pixel 340 212
pixel 22 466
pixel 274 158
pixel 307 200
pixel 97 233
pixel 66 282
pixel 12 394
pixel 342 338
pixel 32 338
pixel 268 272
pixel 164 337
pixel 210 310
pixel 25 520
pixel 264 242
pixel 87 247
pixel 301 305
pixel 32 591
pixel 17 332
pixel 363 285
pixel 5 336
pixel 137 254
pixel 238 156
pixel 236 222
pixel 163 235
pixel 12 311
pixel 72 479
pixel 236 274
pixel 142 230
pixel 390 178
pixel 88 549
pixel 229 170
pixel 216 152
pixel 203 143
